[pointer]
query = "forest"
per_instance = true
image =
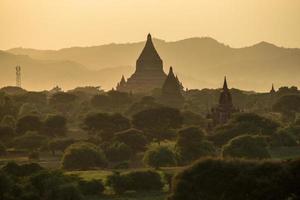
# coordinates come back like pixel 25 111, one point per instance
pixel 86 143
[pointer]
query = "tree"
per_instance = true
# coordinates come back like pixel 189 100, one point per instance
pixel 60 144
pixel 101 101
pixel 28 109
pixel 28 123
pixel 246 146
pixel 193 119
pixel 244 124
pixel 134 138
pixel 63 102
pixel 191 145
pixel 288 106
pixel 83 156
pixel 159 156
pixel 118 152
pixel 30 141
pixel 55 125
pixel 106 125
pixel 147 102
pixel 228 179
pixel 158 122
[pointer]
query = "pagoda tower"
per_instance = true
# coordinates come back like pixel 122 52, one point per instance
pixel 171 94
pixel 223 111
pixel 272 91
pixel 149 72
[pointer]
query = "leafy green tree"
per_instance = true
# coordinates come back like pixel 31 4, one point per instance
pixel 288 106
pixel 147 102
pixel 118 152
pixel 159 156
pixel 158 122
pixel 246 146
pixel 28 109
pixel 28 123
pixel 228 179
pixel 30 141
pixel 101 101
pixel 83 156
pixel 91 187
pixel 134 138
pixel 191 145
pixel 244 124
pixel 59 144
pixel 193 119
pixel 105 125
pixel 55 125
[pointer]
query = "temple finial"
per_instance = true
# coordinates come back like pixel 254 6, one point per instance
pixel 225 87
pixel 149 36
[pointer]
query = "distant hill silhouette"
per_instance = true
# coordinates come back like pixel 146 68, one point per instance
pixel 199 63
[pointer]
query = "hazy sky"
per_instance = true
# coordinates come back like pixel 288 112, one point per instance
pixel 53 24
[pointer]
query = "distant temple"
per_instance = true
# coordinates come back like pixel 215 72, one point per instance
pixel 148 74
pixel 272 91
pixel 171 93
pixel 222 113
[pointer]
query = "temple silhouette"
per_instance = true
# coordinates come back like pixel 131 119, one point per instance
pixel 223 111
pixel 148 74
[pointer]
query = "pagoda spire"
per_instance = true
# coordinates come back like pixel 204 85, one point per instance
pixel 225 87
pixel 272 89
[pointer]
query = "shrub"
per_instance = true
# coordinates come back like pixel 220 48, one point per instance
pixel 136 181
pixel 159 156
pixel 246 146
pixel 133 138
pixel 14 169
pixel 118 152
pixel 283 139
pixel 190 145
pixel 83 156
pixel 92 187
pixel 234 179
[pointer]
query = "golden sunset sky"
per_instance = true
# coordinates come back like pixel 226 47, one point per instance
pixel 54 24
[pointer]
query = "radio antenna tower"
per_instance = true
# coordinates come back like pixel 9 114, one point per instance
pixel 18 76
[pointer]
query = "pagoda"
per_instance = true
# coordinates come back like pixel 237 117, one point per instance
pixel 223 111
pixel 148 74
pixel 171 93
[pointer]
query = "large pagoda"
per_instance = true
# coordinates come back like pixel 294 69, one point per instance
pixel 148 74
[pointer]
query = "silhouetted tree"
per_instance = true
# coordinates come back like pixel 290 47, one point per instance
pixel 246 146
pixel 159 156
pixel 158 122
pixel 55 125
pixel 191 145
pixel 106 125
pixel 63 102
pixel 288 106
pixel 28 123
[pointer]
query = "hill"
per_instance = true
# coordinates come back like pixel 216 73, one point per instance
pixel 199 62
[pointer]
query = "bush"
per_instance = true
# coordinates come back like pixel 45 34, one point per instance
pixel 214 179
pixel 246 146
pixel 16 170
pixel 283 139
pixel 159 156
pixel 136 181
pixel 92 187
pixel 118 152
pixel 83 156
pixel 133 138
pixel 190 145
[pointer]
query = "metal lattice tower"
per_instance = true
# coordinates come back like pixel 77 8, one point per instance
pixel 18 76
